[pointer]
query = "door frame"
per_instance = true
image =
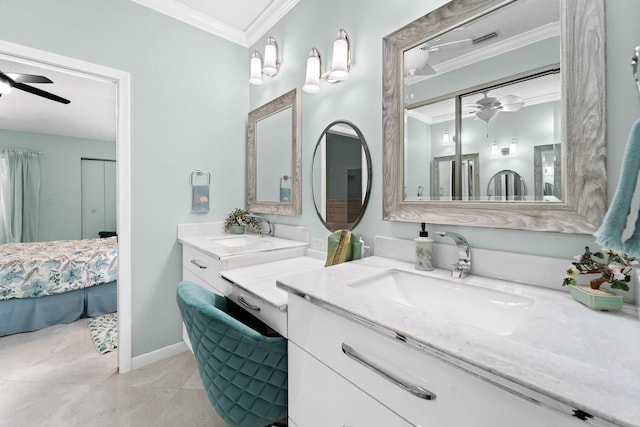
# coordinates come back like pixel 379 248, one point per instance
pixel 123 173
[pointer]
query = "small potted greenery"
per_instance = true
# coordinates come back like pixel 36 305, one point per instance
pixel 238 219
pixel 612 267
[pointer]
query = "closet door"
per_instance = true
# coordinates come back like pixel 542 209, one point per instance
pixel 98 197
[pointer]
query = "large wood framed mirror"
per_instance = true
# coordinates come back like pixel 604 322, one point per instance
pixel 497 78
pixel 273 156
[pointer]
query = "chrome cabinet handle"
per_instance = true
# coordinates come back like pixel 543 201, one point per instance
pixel 198 264
pixel 243 302
pixel 416 390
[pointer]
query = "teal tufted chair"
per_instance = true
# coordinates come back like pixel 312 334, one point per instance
pixel 243 371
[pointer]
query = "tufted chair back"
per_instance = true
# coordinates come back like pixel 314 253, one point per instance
pixel 243 371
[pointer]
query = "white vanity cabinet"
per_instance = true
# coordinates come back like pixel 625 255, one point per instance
pixel 396 379
pixel 203 269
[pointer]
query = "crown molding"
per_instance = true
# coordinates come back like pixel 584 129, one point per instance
pixel 269 17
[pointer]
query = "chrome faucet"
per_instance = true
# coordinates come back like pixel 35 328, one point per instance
pixel 265 220
pixel 464 254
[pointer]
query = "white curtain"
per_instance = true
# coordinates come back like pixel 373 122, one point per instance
pixel 19 196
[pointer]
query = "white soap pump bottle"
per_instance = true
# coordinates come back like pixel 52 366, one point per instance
pixel 424 250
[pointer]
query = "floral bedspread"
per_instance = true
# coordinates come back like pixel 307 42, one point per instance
pixel 29 270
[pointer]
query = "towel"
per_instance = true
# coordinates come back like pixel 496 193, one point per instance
pixel 200 199
pixel 609 234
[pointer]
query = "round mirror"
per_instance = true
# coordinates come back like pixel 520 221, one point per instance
pixel 341 176
pixel 506 185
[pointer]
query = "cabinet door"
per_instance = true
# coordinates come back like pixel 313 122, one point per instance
pixel 318 397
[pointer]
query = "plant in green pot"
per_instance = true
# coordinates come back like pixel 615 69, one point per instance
pixel 611 267
pixel 238 219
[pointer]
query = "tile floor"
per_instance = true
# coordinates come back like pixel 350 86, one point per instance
pixel 55 377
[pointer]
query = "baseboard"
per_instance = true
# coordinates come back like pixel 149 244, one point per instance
pixel 158 355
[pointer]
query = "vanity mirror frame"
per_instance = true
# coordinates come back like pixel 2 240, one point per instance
pixel 583 130
pixel 291 100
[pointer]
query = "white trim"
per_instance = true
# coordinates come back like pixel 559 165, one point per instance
pixel 267 19
pixel 158 355
pixel 121 79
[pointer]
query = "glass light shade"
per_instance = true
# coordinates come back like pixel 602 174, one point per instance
pixel 256 70
pixel 486 114
pixel 312 81
pixel 340 60
pixel 513 148
pixel 270 67
pixel 494 149
pixel 445 138
pixel 5 87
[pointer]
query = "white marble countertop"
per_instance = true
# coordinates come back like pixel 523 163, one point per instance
pixel 260 280
pixel 563 354
pixel 213 244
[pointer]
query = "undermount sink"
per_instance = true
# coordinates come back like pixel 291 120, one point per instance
pixel 488 309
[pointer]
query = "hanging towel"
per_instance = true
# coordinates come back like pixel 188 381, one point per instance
pixel 609 234
pixel 200 199
pixel 338 247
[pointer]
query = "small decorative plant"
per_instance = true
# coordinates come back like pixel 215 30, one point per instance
pixel 240 217
pixel 614 268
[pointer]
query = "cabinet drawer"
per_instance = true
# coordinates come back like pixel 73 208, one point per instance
pixel 461 399
pixel 270 315
pixel 318 397
pixel 205 267
pixel 190 277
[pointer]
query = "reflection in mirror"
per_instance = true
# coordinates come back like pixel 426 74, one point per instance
pixel 506 185
pixel 273 156
pixel 445 172
pixel 474 77
pixel 341 176
pixel 547 168
pixel 273 150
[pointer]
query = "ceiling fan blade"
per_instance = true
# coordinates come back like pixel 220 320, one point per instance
pixel 40 92
pixel 511 103
pixel 28 78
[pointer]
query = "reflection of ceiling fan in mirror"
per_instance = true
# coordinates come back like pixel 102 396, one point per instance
pixel 487 107
pixel 417 59
pixel 10 81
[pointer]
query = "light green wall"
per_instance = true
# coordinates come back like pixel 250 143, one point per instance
pixel 189 101
pixel 313 23
pixel 60 201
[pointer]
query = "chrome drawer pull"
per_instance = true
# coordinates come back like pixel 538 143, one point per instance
pixel 198 264
pixel 416 390
pixel 246 304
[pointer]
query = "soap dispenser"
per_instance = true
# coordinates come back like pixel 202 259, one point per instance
pixel 424 250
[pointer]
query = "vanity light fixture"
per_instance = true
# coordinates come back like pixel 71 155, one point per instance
pixel 513 148
pixel 495 150
pixel 340 64
pixel 269 65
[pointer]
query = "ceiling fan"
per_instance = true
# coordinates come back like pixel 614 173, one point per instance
pixel 487 107
pixel 10 81
pixel 416 59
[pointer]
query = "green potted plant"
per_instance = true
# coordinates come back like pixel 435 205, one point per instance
pixel 612 267
pixel 238 219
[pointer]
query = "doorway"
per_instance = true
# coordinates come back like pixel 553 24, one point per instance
pixel 121 79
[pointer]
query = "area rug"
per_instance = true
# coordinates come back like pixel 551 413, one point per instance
pixel 104 332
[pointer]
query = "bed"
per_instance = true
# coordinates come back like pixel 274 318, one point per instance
pixel 47 283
